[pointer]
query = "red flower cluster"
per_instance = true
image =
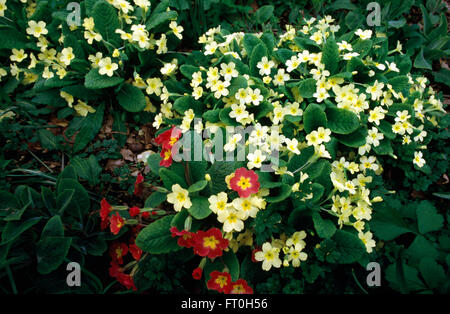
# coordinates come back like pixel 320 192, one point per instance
pixel 117 251
pixel 205 243
pixel 116 272
pixel 105 209
pixel 197 273
pixel 138 188
pixel 221 282
pixel 167 139
pixel 117 222
pixel 135 211
pixel 245 182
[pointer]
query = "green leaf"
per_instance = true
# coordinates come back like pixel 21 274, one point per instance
pixel 298 161
pixel 427 217
pixel 264 13
pixel 48 140
pixel 263 110
pixel 53 228
pixel 198 186
pixel 432 272
pixel 88 169
pixel 179 219
pixel 443 76
pixel 397 24
pixel 212 115
pixel 325 228
pixel 284 191
pixel 155 199
pixel 258 53
pixel 387 223
pixel 12 38
pixel 106 21
pixel 156 237
pixel 237 83
pixel 419 248
pixel 269 40
pixel 341 121
pixel 317 190
pixel 95 80
pixel 445 195
pixel 14 229
pixel 182 104
pixel 363 47
pixel 200 207
pixel 314 117
pixel 354 139
pixel 159 18
pixel 89 129
pixel 231 261
pixel 48 198
pixel 153 162
pixel 224 117
pixel 16 214
pixel 218 171
pixel 400 83
pixel 427 25
pixel 410 275
pixel 307 88
pixel 131 98
pixel 81 196
pixel 385 147
pixel 170 178
pixel 343 248
pixel 51 252
pixel 306 44
pixel 250 41
pixel 64 201
pixel 283 54
pixel 420 61
pixel 187 70
pixel 330 55
pixel 386 128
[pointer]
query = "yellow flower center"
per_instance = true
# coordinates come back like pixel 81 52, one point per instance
pixel 221 205
pixel 181 197
pixel 210 242
pixel 221 281
pixel 244 183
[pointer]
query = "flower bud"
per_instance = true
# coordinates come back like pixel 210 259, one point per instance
pixel 377 199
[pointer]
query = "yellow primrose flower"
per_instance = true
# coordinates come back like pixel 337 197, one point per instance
pixel 269 256
pixel 67 97
pixel 179 198
pixel 18 55
pixel 66 56
pixel 83 109
pixel 37 29
pixel 218 202
pixel 107 67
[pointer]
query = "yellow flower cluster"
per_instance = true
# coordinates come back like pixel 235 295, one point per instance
pixel 291 247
